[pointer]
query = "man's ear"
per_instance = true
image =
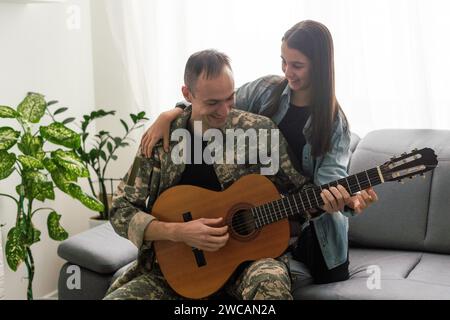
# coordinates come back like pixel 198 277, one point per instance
pixel 186 93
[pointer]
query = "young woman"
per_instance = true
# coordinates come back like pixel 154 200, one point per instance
pixel 304 106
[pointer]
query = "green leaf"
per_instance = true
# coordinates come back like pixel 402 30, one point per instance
pixel 30 163
pixel 110 147
pixel 8 137
pixel 32 146
pixel 30 234
pixel 20 189
pixel 68 120
pixel 7 161
pixel 70 161
pixel 117 141
pixel 124 125
pixel 60 176
pixel 55 231
pixel 15 248
pixel 60 180
pixel 32 108
pixel 50 165
pixel 114 157
pixel 35 236
pixel 60 110
pixel 7 112
pixel 94 154
pixel 84 136
pixel 103 155
pixel 37 186
pixel 50 103
pixel 85 123
pixel 141 115
pixel 75 191
pixel 61 135
pixel 100 114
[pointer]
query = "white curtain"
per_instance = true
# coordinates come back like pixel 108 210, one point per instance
pixel 391 57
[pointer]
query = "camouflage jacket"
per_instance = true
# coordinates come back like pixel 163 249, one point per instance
pixel 149 177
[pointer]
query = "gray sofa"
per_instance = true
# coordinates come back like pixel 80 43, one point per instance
pixel 399 247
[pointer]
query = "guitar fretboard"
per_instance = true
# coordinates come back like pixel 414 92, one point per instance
pixel 299 203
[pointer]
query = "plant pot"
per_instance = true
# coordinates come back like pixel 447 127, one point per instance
pixel 96 221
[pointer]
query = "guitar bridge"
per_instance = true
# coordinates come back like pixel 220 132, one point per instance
pixel 198 254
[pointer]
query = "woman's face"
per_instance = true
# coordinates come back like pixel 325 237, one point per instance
pixel 296 67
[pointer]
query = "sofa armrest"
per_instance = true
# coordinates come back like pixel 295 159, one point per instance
pixel 99 249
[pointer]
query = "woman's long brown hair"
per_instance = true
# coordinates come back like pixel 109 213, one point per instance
pixel 314 40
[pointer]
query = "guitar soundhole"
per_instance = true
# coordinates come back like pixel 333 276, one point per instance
pixel 243 223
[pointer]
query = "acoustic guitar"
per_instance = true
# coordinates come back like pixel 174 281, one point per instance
pixel 257 216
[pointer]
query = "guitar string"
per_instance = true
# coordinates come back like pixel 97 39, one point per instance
pixel 372 174
pixel 240 227
pixel 280 211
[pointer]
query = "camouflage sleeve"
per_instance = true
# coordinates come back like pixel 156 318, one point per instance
pixel 129 215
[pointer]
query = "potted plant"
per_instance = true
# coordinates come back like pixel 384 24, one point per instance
pixel 39 171
pixel 101 149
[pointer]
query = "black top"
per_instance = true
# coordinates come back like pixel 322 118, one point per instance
pixel 200 175
pixel 291 127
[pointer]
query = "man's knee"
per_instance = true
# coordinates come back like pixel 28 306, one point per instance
pixel 267 279
pixel 267 270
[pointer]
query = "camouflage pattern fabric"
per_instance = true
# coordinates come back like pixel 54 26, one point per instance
pixel 265 279
pixel 137 283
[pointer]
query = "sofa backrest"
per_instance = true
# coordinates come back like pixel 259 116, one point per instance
pixel 411 216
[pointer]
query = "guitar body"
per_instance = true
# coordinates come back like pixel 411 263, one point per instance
pixel 194 278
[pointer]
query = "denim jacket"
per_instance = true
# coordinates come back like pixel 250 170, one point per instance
pixel 331 229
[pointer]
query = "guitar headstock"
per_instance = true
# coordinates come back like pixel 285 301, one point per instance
pixel 409 165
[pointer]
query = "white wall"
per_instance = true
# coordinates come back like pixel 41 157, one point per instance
pixel 39 53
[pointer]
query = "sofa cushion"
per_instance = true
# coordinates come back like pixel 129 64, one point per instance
pixel 354 140
pixel 432 268
pixel 92 285
pixel 412 216
pixel 403 275
pixel 437 237
pixel 99 249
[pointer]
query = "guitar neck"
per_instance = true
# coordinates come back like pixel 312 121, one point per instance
pixel 298 204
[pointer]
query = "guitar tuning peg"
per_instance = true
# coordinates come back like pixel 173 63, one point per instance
pixel 415 149
pixel 423 176
pixel 401 181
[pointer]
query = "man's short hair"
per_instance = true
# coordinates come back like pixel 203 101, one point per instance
pixel 211 62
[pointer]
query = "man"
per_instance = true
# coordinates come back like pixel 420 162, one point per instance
pixel 209 87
